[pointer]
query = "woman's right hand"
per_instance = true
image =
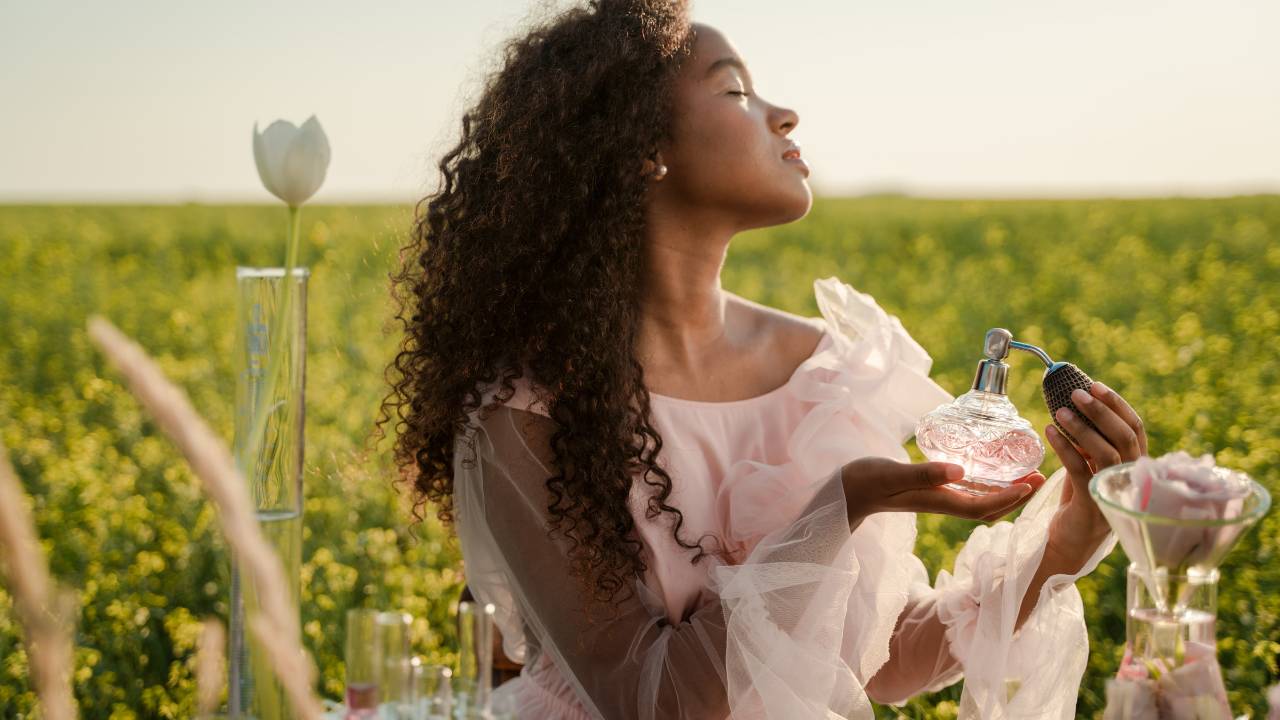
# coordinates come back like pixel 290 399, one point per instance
pixel 879 484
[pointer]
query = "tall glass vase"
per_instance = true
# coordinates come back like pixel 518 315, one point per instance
pixel 272 465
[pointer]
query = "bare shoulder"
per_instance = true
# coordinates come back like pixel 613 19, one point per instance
pixel 787 333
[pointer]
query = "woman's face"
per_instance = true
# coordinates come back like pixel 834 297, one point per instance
pixel 729 152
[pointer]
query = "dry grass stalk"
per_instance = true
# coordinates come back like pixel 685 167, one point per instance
pixel 213 464
pixel 297 663
pixel 210 662
pixel 43 610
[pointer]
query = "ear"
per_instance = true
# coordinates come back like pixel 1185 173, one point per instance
pixel 651 163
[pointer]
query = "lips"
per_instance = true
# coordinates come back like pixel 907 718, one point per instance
pixel 792 155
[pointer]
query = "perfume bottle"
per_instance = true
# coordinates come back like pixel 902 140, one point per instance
pixel 981 430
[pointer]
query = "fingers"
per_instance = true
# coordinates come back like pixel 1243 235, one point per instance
pixel 966 505
pixel 996 515
pixel 874 484
pixel 920 487
pixel 1034 480
pixel 1100 451
pixel 997 504
pixel 1115 429
pixel 1071 458
pixel 903 477
pixel 1078 469
pixel 932 474
pixel 1123 409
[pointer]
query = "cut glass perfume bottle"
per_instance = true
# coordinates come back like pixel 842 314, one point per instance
pixel 981 430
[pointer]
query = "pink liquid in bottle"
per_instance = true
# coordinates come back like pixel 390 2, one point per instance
pixel 362 701
pixel 983 433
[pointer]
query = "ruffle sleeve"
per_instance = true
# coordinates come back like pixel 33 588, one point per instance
pixel 864 390
pixel 1036 671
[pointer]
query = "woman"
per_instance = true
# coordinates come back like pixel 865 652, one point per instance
pixel 685 504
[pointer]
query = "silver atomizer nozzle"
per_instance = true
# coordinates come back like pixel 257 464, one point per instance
pixel 1060 378
pixel 993 373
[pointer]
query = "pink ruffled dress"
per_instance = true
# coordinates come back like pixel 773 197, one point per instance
pixel 802 613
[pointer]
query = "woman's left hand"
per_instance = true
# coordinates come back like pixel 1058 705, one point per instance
pixel 1079 527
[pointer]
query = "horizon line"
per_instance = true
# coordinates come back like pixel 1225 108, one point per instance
pixel 922 192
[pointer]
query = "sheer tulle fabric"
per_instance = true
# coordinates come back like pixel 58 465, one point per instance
pixel 805 619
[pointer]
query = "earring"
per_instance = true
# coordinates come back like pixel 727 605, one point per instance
pixel 660 173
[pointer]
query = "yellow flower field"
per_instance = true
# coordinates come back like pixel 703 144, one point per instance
pixel 1175 303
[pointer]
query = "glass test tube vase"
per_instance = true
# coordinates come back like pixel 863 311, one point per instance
pixel 270 459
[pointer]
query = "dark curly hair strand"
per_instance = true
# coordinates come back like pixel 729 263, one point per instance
pixel 530 254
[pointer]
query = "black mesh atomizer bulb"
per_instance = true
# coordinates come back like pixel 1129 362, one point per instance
pixel 1060 378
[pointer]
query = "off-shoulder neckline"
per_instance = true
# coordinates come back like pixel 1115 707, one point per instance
pixel 720 404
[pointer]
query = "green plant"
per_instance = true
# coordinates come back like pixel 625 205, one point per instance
pixel 1175 303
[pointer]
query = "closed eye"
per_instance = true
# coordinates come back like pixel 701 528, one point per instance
pixel 739 92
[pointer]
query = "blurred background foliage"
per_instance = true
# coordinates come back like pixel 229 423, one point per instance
pixel 1175 303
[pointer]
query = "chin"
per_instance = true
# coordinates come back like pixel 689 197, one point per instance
pixel 799 203
pixel 782 213
pixel 785 202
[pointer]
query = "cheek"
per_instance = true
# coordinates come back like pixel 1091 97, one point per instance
pixel 723 147
pixel 726 159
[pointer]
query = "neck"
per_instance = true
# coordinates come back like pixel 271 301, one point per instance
pixel 682 306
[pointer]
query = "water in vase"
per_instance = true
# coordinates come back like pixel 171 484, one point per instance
pixel 1153 635
pixel 261 692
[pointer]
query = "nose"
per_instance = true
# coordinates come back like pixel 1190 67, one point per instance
pixel 784 120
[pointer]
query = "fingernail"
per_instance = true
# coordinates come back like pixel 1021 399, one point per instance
pixel 954 472
pixel 1099 389
pixel 1064 415
pixel 1080 396
pixel 1026 490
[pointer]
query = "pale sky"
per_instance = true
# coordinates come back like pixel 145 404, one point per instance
pixel 155 101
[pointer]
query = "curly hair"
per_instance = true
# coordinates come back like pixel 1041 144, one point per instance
pixel 530 255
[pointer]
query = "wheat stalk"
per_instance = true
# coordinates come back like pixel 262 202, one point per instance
pixel 277 624
pixel 42 608
pixel 209 665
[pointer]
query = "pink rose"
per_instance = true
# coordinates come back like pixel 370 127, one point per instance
pixel 1180 487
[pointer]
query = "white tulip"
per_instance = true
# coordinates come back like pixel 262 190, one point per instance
pixel 291 161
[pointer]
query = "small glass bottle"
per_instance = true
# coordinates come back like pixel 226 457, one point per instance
pixel 981 430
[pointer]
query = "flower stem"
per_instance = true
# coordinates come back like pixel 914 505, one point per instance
pixel 274 363
pixel 291 254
